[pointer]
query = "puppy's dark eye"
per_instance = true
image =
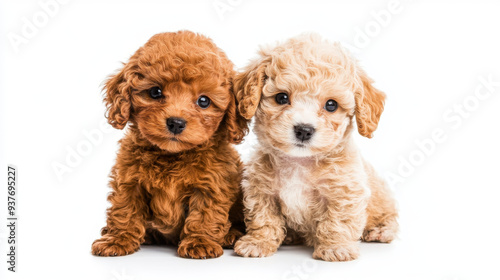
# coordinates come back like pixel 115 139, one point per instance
pixel 155 93
pixel 331 105
pixel 203 102
pixel 282 98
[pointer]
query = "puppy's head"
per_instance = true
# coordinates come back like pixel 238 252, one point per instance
pixel 177 90
pixel 304 94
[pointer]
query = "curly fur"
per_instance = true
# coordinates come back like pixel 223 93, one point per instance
pixel 170 188
pixel 323 190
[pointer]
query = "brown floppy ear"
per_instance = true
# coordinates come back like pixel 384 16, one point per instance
pixel 236 125
pixel 248 88
pixel 117 96
pixel 369 106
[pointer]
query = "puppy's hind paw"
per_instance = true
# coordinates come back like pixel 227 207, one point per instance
pixel 384 234
pixel 336 253
pixel 293 238
pixel 231 237
pixel 254 248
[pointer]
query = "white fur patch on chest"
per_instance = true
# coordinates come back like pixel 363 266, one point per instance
pixel 296 192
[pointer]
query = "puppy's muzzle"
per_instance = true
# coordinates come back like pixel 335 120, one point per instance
pixel 176 125
pixel 304 132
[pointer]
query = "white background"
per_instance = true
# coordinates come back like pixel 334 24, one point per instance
pixel 428 57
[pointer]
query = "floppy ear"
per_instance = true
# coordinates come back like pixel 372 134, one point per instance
pixel 369 106
pixel 248 88
pixel 236 125
pixel 117 96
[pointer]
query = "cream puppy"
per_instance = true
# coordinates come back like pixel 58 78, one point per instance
pixel 306 176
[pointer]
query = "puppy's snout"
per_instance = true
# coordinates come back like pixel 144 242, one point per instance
pixel 303 132
pixel 176 125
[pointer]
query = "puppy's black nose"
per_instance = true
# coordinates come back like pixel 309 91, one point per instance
pixel 176 125
pixel 303 132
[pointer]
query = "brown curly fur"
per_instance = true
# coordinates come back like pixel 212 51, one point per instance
pixel 169 188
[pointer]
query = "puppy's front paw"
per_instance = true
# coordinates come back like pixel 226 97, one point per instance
pixel 199 248
pixel 336 253
pixel 110 246
pixel 250 247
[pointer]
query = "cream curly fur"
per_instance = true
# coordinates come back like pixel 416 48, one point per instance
pixel 322 190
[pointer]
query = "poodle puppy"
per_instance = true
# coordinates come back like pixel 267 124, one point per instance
pixel 176 176
pixel 306 176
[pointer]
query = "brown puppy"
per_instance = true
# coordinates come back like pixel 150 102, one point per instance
pixel 176 176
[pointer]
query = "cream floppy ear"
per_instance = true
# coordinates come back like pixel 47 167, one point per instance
pixel 369 106
pixel 248 88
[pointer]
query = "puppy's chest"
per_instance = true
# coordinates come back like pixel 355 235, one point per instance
pixel 169 172
pixel 296 193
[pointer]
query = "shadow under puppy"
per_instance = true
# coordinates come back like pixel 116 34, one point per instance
pixel 177 176
pixel 306 177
